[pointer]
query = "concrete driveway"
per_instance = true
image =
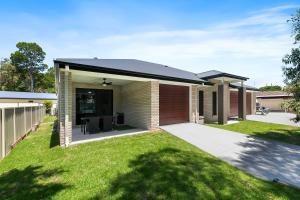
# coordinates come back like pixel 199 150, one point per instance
pixel 262 158
pixel 275 117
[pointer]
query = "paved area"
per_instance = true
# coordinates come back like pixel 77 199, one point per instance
pixel 275 117
pixel 262 158
pixel 78 137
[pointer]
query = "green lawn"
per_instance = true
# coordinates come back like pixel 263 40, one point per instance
pixel 283 133
pixel 153 165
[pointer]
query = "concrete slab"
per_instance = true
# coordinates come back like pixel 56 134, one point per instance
pixel 276 117
pixel 265 159
pixel 79 138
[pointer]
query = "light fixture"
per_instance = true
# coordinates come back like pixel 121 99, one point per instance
pixel 104 83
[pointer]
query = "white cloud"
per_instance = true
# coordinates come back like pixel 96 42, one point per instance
pixel 251 46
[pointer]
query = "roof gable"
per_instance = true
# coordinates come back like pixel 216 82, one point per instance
pixel 215 74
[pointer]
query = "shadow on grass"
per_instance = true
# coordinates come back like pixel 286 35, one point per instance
pixel 30 183
pixel 175 174
pixel 270 159
pixel 54 141
pixel 283 135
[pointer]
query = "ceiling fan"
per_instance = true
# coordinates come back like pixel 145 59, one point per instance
pixel 104 83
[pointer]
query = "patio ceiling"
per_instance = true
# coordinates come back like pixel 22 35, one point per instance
pixel 94 78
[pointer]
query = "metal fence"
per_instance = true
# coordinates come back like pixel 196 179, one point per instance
pixel 16 121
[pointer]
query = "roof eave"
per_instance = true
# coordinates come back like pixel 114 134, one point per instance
pixel 92 68
pixel 225 75
pixel 248 88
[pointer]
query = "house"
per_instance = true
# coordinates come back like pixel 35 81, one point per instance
pixel 12 97
pixel 273 99
pixel 148 94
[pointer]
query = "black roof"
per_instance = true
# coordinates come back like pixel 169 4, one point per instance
pixel 248 87
pixel 215 74
pixel 131 67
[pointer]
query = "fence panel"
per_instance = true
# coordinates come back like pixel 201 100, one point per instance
pixel 40 116
pixel 28 118
pixel 19 123
pixel 9 129
pixel 0 133
pixel 33 117
pixel 16 123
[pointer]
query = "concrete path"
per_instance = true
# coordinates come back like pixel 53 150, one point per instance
pixel 262 158
pixel 275 117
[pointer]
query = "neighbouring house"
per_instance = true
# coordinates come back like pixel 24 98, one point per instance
pixel 149 95
pixel 12 97
pixel 273 99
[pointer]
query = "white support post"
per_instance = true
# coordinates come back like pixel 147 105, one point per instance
pixel 14 118
pixel 66 105
pixel 3 133
pixel 25 130
pixel 31 119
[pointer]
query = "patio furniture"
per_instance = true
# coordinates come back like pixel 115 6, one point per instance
pixel 83 123
pixel 261 109
pixel 120 118
pixel 93 125
pixel 96 124
pixel 106 123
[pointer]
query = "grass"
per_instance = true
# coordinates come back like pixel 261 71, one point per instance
pixel 154 165
pixel 283 133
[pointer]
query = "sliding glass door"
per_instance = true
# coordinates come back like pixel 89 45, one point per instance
pixel 93 102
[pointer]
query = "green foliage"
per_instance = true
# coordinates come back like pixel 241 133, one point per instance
pixel 45 81
pixel 154 165
pixel 9 76
pixel 48 105
pixel 271 88
pixel 25 70
pixel 29 61
pixel 291 70
pixel 295 21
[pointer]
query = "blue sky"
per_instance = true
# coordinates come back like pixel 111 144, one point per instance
pixel 243 37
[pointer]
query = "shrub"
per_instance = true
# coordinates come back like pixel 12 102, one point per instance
pixel 48 105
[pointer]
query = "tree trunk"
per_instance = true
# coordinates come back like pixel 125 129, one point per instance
pixel 31 83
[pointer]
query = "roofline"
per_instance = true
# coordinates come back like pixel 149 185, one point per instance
pixel 28 98
pixel 92 68
pixel 279 95
pixel 248 88
pixel 225 75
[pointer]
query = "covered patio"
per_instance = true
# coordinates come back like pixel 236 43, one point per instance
pixel 105 96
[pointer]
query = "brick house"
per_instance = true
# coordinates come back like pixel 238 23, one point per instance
pixel 148 94
pixel 273 99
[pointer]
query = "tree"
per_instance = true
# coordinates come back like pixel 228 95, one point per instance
pixel 48 105
pixel 291 70
pixel 45 81
pixel 9 76
pixel 270 88
pixel 29 61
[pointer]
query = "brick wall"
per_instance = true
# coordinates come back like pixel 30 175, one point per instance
pixel 154 105
pixel 140 104
pixel 208 114
pixel 194 114
pixel 65 125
